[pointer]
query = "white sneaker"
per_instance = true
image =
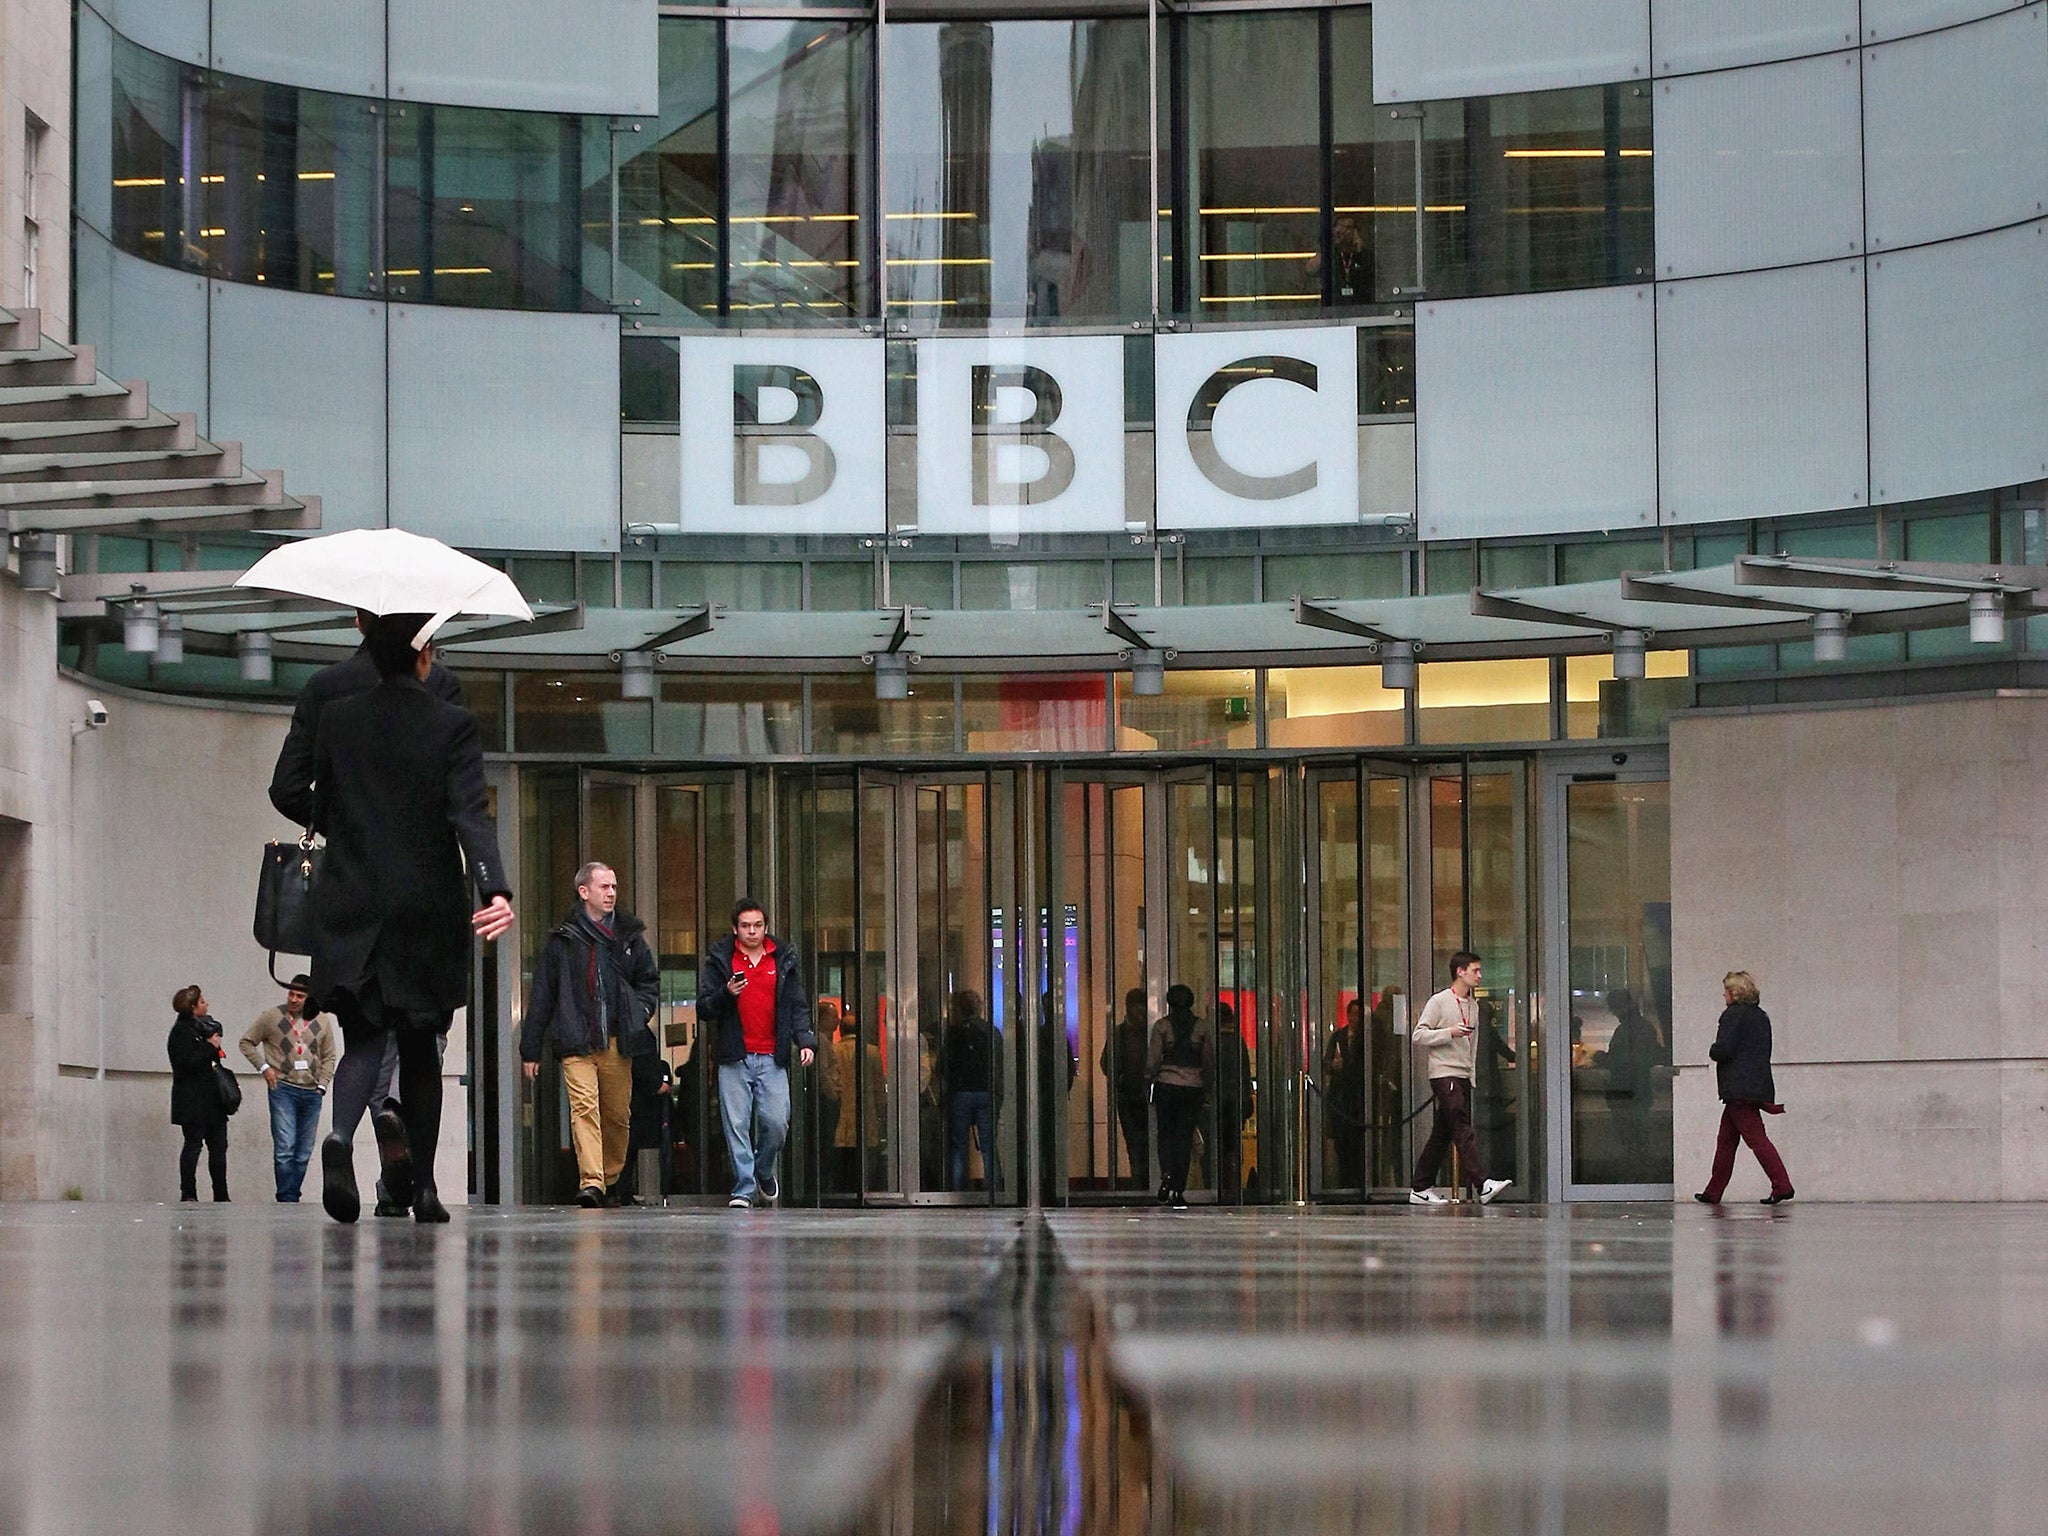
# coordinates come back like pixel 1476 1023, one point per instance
pixel 740 1203
pixel 1426 1197
pixel 1491 1188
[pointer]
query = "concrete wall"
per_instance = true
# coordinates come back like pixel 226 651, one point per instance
pixel 35 79
pixel 128 858
pixel 1883 872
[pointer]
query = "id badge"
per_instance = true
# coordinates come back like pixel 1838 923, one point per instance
pixel 302 1066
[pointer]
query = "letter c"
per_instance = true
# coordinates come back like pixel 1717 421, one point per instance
pixel 1201 429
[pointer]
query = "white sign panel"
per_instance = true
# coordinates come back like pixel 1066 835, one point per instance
pixel 782 434
pixel 1257 428
pixel 1020 435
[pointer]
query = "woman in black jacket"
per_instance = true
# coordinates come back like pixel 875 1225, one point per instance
pixel 1742 1064
pixel 194 1049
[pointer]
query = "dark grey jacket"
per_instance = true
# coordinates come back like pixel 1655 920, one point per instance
pixel 562 1009
pixel 291 781
pixel 1741 1053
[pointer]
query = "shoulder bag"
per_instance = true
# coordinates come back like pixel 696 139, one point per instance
pixel 230 1088
pixel 284 892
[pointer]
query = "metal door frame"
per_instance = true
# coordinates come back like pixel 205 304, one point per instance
pixel 1559 772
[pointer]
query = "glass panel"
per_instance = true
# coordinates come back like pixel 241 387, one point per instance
pixel 847 718
pixel 1340 1009
pixel 484 208
pixel 1217 579
pixel 1198 709
pixel 484 693
pixel 729 716
pixel 1068 584
pixel 953 984
pixel 927 583
pixel 1841 541
pixel 1386 965
pixel 156 138
pixel 1479 902
pixel 1386 370
pixel 578 712
pixel 1201 859
pixel 668 185
pixel 549 851
pixel 1964 539
pixel 546 580
pixel 1023 712
pixel 757 587
pixel 1107 1020
pixel 800 168
pixel 867 1072
pixel 609 835
pixel 1469 701
pixel 1006 979
pixel 1334 573
pixel 1017 175
pixel 1333 707
pixel 650 380
pixel 1597 705
pixel 290 187
pixel 1558 193
pixel 1514 565
pixel 682 929
pixel 842 586
pixel 1606 559
pixel 821 871
pixel 1449 568
pixel 1372 177
pixel 1618 926
pixel 1254 178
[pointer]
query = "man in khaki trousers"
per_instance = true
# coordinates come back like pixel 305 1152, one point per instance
pixel 595 987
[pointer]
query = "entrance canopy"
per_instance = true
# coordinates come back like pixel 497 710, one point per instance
pixel 1756 599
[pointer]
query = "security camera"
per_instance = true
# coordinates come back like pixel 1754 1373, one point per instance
pixel 1620 758
pixel 95 714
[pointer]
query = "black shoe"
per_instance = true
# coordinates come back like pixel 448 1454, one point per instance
pixel 191 1199
pixel 394 1149
pixel 1177 1201
pixel 590 1197
pixel 338 1179
pixel 771 1191
pixel 1706 1199
pixel 1776 1199
pixel 427 1208
pixel 391 1208
pixel 220 1198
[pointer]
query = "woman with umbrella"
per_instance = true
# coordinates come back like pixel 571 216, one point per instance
pixel 398 791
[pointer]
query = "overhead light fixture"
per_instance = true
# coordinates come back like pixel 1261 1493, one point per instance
pixel 892 675
pixel 253 652
pixel 1631 655
pixel 38 555
pixel 1987 618
pixel 170 640
pixel 1397 664
pixel 1831 636
pixel 139 630
pixel 1148 672
pixel 636 675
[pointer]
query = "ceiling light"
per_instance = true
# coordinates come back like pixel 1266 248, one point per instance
pixel 1987 618
pixel 170 640
pixel 636 675
pixel 38 555
pixel 1631 655
pixel 1830 636
pixel 253 652
pixel 1397 664
pixel 892 675
pixel 139 627
pixel 1148 673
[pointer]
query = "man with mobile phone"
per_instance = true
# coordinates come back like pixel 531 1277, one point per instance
pixel 751 995
pixel 1447 1028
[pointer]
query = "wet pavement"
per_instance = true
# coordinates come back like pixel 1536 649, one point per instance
pixel 1624 1369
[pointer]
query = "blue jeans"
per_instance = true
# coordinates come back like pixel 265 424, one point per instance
pixel 976 1109
pixel 294 1127
pixel 753 1098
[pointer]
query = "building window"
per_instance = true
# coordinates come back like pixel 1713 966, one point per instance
pixel 34 135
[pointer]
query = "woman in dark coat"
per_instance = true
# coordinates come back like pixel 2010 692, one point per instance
pixel 398 789
pixel 194 1049
pixel 1742 1064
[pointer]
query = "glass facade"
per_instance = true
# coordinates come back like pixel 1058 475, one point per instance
pixel 995 172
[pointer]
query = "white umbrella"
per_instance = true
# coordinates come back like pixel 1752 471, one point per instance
pixel 387 570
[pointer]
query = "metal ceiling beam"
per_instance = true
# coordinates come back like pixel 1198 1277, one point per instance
pixel 1934 578
pixel 1659 587
pixel 1314 616
pixel 561 621
pixel 1487 605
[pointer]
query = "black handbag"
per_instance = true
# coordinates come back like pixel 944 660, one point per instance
pixel 230 1088
pixel 284 898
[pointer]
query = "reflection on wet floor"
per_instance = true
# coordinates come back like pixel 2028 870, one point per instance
pixel 1610 1369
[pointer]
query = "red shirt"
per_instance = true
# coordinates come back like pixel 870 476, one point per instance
pixel 757 1001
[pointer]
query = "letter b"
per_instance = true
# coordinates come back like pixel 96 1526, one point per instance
pixel 1034 431
pixel 751 435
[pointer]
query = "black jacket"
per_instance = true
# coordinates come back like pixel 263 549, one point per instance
pixel 291 781
pixel 971 1057
pixel 1742 1055
pixel 719 1009
pixel 195 1094
pixel 562 1008
pixel 399 793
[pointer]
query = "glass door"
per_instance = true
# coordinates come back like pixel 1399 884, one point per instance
pixel 1358 973
pixel 1608 830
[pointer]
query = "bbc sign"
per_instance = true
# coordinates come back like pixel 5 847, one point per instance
pixel 1015 435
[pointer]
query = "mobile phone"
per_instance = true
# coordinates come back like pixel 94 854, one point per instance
pixel 742 978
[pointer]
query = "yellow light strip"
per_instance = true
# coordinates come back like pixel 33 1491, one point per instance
pixel 1264 298
pixel 1260 212
pixel 923 303
pixel 1258 256
pixel 1571 154
pixel 316 175
pixel 1399 208
pixel 939 261
pixel 691 266
pixel 439 272
pixel 931 216
pixel 138 181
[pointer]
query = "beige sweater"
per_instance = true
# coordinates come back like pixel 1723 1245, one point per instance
pixel 1450 1055
pixel 268 1044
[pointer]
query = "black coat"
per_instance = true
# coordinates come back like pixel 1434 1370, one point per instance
pixel 399 793
pixel 720 1010
pixel 195 1091
pixel 1742 1055
pixel 561 1009
pixel 291 781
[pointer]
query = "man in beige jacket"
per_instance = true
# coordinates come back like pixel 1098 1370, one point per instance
pixel 296 1053
pixel 1446 1028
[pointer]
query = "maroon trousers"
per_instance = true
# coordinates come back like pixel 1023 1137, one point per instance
pixel 1453 1127
pixel 1742 1120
